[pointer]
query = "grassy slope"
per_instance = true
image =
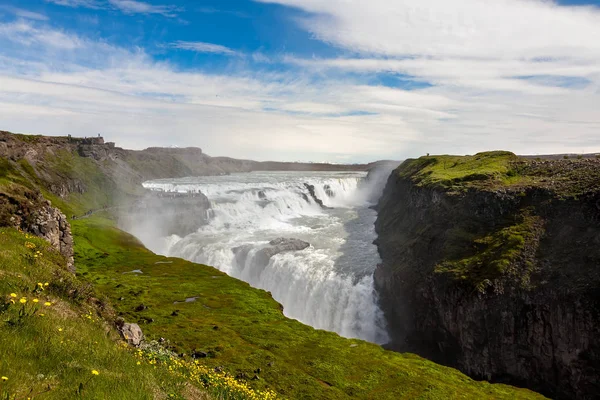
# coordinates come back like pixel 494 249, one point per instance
pixel 243 329
pixel 240 328
pixel 58 346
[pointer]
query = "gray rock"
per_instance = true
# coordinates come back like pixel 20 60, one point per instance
pixel 284 244
pixel 132 333
pixel 277 246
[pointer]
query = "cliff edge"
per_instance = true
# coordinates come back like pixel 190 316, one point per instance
pixel 491 264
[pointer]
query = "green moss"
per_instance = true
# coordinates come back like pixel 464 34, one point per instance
pixel 457 171
pixel 243 329
pixel 480 259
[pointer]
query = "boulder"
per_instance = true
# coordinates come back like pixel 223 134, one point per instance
pixel 132 333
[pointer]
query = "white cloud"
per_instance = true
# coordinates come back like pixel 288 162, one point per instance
pixel 140 7
pixel 26 34
pixel 461 28
pixel 522 74
pixel 19 12
pixel 125 6
pixel 202 47
pixel 77 3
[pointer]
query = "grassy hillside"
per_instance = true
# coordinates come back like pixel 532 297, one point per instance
pixel 244 347
pixel 56 342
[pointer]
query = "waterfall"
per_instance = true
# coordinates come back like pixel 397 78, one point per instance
pixel 329 283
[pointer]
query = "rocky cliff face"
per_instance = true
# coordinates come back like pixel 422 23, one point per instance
pixel 497 274
pixel 30 212
pixel 51 224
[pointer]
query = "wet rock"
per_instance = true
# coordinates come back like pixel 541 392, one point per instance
pixel 262 195
pixel 277 246
pixel 311 191
pixel 328 191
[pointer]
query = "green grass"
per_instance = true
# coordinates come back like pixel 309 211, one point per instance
pixel 52 350
pixel 452 172
pixel 243 329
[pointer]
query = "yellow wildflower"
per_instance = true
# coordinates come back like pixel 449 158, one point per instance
pixel 13 295
pixel 139 363
pixel 40 284
pixel 35 300
pixel 94 372
pixel 23 300
pixel 46 284
pixel 47 304
pixel 60 329
pixel 4 378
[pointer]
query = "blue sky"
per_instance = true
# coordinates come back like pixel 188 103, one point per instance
pixel 334 80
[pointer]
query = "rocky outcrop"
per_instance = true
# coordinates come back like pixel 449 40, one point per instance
pixel 500 282
pixel 29 211
pixel 51 224
pixel 263 255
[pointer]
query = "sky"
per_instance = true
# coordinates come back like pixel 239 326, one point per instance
pixel 306 80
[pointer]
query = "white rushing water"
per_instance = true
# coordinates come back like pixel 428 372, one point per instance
pixel 328 285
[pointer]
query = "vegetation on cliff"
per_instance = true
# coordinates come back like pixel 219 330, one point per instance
pixel 482 254
pixel 503 170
